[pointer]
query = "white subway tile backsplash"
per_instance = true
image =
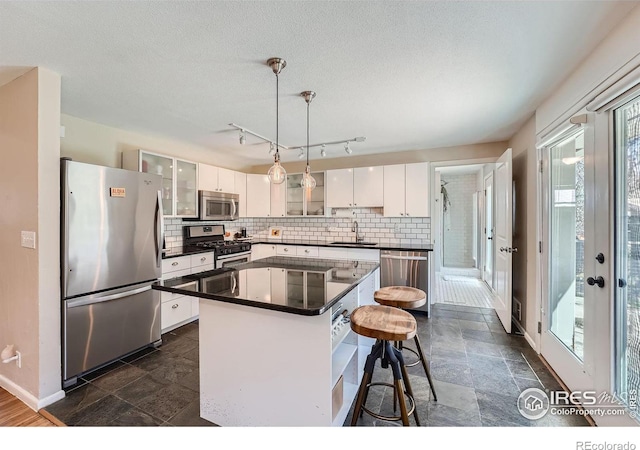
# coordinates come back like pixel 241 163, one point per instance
pixel 372 225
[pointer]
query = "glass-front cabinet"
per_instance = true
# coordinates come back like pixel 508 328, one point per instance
pixel 302 202
pixel 179 180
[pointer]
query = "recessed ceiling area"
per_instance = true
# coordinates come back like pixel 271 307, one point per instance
pixel 406 75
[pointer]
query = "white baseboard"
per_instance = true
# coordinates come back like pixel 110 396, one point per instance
pixel 531 342
pixel 26 397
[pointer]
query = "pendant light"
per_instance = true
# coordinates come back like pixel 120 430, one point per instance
pixel 308 182
pixel 276 173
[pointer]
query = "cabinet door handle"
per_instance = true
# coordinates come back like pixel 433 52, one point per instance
pixel 203 259
pixel 174 306
pixel 402 214
pixel 286 249
pixel 306 251
pixel 174 264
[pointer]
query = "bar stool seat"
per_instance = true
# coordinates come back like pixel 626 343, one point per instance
pixel 386 324
pixel 406 297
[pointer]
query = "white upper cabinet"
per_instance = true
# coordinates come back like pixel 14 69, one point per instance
pixel 278 200
pixel 226 181
pixel 258 198
pixel 417 190
pixel 394 198
pixel 217 179
pixel 406 190
pixel 368 186
pixel 339 188
pixel 353 188
pixel 240 182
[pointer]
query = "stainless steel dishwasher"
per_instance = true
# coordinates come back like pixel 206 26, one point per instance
pixel 406 268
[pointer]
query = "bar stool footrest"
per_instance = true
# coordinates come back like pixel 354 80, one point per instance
pixel 410 411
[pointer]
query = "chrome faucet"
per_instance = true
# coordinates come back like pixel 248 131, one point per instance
pixel 356 230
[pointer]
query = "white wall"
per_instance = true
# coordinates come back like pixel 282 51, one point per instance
pixel 29 278
pixel 95 143
pixel 524 153
pixel 613 57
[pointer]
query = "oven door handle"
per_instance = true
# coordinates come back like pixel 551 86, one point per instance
pixel 234 255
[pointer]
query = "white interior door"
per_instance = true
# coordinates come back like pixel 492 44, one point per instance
pixel 487 273
pixel 503 186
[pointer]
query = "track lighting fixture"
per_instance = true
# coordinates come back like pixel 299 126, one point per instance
pixel 243 137
pixel 272 148
pixel 323 151
pixel 347 148
pixel 301 154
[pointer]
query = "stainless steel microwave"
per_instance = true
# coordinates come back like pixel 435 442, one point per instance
pixel 218 205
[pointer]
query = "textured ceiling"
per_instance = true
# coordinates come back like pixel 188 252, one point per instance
pixel 407 75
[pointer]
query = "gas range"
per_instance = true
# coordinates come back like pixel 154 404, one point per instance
pixel 204 237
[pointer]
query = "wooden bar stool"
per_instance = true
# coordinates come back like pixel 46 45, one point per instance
pixel 385 324
pixel 406 297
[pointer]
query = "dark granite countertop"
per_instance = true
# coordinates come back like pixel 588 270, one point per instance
pixel 318 243
pixel 306 286
pixel 311 243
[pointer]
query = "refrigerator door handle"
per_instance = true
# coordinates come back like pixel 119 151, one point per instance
pixel 159 229
pixel 84 301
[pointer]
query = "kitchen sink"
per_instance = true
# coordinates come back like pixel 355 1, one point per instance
pixel 353 243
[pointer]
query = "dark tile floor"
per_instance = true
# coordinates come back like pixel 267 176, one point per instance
pixel 478 373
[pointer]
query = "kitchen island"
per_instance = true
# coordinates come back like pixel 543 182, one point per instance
pixel 275 348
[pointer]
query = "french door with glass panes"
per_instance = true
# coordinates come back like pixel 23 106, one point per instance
pixel 626 285
pixel 591 256
pixel 568 235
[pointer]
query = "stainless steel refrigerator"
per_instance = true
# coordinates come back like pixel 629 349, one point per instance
pixel 111 251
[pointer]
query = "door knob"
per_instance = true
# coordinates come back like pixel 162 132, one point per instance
pixel 489 237
pixel 593 281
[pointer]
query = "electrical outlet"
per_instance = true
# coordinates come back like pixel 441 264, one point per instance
pixel 28 239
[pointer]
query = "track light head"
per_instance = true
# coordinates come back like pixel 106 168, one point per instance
pixel 243 137
pixel 323 151
pixel 347 148
pixel 301 154
pixel 272 148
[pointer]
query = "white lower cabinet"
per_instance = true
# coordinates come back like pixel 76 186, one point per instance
pixel 176 309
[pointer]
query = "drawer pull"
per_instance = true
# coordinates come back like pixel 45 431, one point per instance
pixel 174 264
pixel 306 251
pixel 286 249
pixel 203 259
pixel 174 306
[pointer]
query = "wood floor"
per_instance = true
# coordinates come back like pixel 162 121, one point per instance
pixel 14 413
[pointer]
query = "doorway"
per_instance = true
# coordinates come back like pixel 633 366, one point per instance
pixel 459 224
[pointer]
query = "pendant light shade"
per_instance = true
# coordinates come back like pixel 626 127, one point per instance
pixel 308 182
pixel 277 174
